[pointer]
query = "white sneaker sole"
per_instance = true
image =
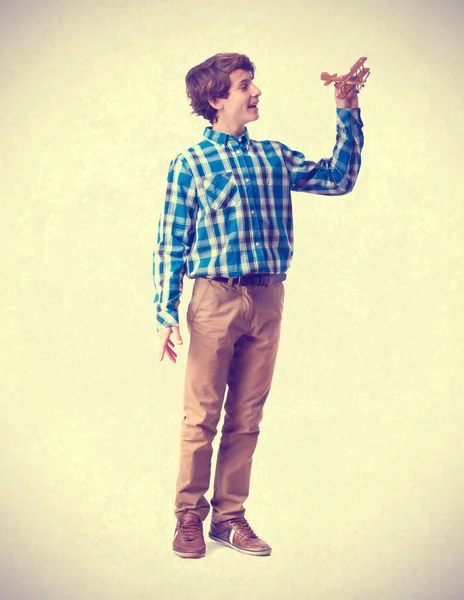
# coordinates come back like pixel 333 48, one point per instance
pixel 189 554
pixel 242 550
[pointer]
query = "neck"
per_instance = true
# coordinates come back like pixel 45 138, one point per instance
pixel 236 131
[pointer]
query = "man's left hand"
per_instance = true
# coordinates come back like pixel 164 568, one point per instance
pixel 349 101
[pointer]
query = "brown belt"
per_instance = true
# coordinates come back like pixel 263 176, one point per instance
pixel 251 280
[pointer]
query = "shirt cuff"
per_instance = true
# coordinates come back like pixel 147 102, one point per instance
pixel 349 116
pixel 166 319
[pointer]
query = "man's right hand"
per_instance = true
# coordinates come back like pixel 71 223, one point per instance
pixel 167 344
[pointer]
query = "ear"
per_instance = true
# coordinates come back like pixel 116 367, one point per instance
pixel 216 103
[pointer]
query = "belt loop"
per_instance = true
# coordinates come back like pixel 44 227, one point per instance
pixel 230 282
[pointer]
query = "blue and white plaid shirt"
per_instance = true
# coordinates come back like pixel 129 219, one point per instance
pixel 228 209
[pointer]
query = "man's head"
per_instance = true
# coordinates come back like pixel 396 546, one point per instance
pixel 222 89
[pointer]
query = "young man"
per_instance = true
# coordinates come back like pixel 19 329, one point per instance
pixel 227 223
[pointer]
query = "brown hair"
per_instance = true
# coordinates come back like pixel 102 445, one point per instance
pixel 210 80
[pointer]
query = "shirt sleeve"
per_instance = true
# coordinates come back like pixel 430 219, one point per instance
pixel 336 175
pixel 175 235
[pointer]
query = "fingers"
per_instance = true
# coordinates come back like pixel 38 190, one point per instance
pixel 169 352
pixel 164 335
pixel 167 344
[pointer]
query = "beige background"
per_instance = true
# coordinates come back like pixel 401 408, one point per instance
pixel 358 477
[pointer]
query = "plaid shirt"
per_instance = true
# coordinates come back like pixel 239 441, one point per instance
pixel 228 209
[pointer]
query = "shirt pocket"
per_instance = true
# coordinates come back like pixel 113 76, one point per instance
pixel 221 191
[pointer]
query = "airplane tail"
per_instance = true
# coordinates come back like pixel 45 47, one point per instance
pixel 327 77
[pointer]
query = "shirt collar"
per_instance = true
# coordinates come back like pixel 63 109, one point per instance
pixel 225 138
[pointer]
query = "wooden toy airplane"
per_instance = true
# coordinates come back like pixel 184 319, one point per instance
pixel 355 78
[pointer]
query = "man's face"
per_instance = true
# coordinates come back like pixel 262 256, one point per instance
pixel 240 107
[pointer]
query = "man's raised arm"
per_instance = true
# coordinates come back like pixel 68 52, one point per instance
pixel 336 175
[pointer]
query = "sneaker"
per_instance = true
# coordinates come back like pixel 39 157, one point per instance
pixel 237 534
pixel 188 537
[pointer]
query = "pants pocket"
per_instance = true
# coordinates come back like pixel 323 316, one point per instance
pixel 200 289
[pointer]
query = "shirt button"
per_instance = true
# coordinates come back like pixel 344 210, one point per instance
pixel 247 179
pixel 257 243
pixel 252 212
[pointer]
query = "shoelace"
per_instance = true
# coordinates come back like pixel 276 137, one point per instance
pixel 190 532
pixel 244 527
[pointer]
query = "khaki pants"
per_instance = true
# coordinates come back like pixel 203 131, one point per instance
pixel 234 337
